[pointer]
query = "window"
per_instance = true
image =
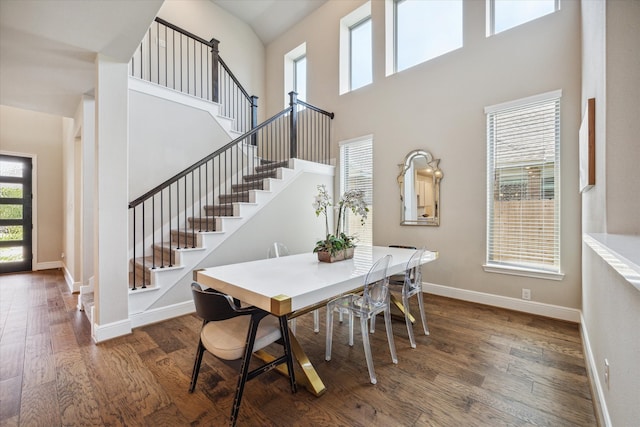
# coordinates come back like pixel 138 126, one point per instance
pixel 505 14
pixel 300 77
pixel 356 54
pixel 424 30
pixel 360 58
pixel 523 198
pixel 295 73
pixel 356 172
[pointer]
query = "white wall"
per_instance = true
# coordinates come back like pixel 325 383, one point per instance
pixel 438 106
pixel 610 304
pixel 41 136
pixel 240 47
pixel 166 137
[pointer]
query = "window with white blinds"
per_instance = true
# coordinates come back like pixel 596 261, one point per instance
pixel 356 172
pixel 523 181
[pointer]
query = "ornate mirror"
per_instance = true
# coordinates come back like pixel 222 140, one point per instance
pixel 419 182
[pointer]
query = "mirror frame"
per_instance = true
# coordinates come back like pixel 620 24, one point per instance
pixel 437 176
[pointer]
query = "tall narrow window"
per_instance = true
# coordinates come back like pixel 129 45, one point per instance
pixel 356 172
pixel 356 55
pixel 295 73
pixel 425 30
pixel 505 14
pixel 300 77
pixel 360 54
pixel 523 198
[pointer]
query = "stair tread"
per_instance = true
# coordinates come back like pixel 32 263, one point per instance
pixel 272 165
pixel 260 175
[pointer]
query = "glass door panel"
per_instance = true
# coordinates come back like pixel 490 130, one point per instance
pixel 15 214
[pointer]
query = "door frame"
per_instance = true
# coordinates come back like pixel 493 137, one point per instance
pixel 34 202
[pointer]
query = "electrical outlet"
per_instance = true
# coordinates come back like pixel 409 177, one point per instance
pixel 526 294
pixel 607 374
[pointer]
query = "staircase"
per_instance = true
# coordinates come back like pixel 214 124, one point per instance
pixel 165 254
pixel 181 222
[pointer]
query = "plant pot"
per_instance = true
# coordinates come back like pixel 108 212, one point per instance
pixel 324 256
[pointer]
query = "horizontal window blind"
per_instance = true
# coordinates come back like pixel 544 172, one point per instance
pixel 523 226
pixel 356 173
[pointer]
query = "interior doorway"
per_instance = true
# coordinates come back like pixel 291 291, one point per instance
pixel 16 205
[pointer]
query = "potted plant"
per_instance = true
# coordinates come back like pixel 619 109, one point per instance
pixel 338 246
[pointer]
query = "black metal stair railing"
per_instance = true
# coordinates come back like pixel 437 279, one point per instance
pixel 175 58
pixel 169 216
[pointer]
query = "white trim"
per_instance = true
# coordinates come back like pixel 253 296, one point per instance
pixel 594 377
pixel 289 59
pixel 532 307
pixel 364 138
pixel 47 265
pixel 160 314
pixel 621 252
pixel 541 97
pixel 109 331
pixel 73 286
pixel 346 23
pixel 520 271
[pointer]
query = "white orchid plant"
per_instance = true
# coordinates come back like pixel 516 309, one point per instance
pixel 351 200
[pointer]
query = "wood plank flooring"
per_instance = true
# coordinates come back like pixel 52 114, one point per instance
pixel 481 366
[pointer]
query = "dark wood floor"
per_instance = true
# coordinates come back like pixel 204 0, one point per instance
pixel 481 366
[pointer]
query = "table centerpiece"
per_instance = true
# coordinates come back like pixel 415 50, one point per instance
pixel 338 246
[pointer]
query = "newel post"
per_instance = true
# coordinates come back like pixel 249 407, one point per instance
pixel 293 128
pixel 214 70
pixel 254 117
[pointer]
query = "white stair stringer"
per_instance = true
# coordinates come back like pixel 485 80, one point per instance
pixel 163 279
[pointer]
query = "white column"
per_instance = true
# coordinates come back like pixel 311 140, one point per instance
pixel 88 185
pixel 111 198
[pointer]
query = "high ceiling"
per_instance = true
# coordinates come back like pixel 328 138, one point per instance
pixel 270 18
pixel 48 48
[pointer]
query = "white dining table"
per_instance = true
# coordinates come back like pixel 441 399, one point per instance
pixel 295 284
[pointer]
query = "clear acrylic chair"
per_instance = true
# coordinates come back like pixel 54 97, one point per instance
pixel 277 250
pixel 374 300
pixel 410 286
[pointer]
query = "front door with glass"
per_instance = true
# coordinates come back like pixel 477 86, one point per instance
pixel 15 214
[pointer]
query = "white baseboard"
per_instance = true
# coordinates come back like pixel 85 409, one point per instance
pixel 594 377
pixel 47 265
pixel 74 287
pixel 163 313
pixel 110 330
pixel 547 310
